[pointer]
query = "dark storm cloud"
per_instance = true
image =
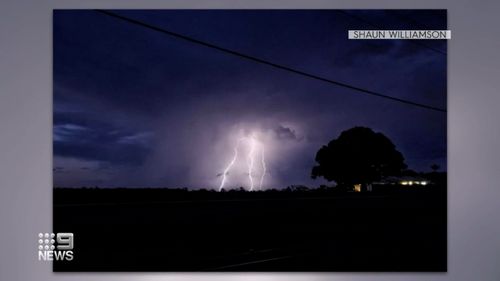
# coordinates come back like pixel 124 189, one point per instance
pixel 99 143
pixel 285 133
pixel 149 109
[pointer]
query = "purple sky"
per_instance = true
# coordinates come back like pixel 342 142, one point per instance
pixel 133 107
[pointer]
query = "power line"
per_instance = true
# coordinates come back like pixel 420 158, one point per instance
pixel 261 61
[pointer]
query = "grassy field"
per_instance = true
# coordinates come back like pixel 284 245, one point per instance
pixel 322 230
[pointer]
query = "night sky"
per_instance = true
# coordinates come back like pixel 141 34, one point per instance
pixel 137 108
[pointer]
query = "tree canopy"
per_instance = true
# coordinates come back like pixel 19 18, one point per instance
pixel 358 156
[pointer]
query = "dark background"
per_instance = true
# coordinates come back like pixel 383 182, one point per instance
pixel 390 229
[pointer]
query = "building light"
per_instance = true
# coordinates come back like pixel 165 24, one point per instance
pixel 423 183
pixel 404 183
pixel 357 188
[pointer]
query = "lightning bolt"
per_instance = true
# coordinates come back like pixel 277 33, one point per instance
pixel 226 171
pixel 252 142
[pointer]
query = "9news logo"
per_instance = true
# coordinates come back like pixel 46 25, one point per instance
pixel 57 246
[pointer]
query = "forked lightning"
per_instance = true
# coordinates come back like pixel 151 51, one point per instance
pixel 254 147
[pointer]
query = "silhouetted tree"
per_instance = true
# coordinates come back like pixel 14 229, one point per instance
pixel 435 167
pixel 358 156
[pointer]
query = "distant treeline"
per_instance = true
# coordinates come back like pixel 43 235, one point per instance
pixel 85 195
